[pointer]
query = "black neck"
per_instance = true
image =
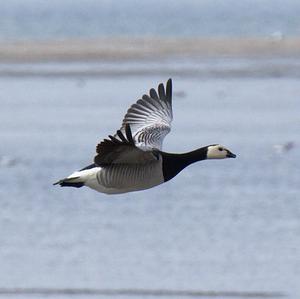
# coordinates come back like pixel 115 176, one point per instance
pixel 174 163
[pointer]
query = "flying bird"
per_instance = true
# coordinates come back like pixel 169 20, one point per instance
pixel 132 159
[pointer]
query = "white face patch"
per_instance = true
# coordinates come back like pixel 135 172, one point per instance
pixel 218 151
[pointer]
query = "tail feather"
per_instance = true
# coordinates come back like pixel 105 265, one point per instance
pixel 70 182
pixel 80 178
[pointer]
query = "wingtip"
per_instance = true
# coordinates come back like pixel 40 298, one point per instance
pixel 169 89
pixel 161 91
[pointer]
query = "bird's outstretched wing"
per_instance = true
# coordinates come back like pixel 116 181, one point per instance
pixel 150 117
pixel 121 150
pixel 144 127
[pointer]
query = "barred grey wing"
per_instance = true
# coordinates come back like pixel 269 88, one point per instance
pixel 150 117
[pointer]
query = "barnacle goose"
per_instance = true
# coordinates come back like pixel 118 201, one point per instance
pixel 133 159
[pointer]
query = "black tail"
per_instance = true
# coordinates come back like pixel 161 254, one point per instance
pixel 68 183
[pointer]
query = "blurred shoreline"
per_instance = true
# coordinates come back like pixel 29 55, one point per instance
pixel 146 48
pixel 187 57
pixel 138 292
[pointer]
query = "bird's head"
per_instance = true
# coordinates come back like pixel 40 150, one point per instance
pixel 217 151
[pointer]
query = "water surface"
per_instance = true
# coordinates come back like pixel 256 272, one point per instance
pixel 219 226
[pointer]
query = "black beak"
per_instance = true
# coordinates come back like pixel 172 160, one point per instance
pixel 230 155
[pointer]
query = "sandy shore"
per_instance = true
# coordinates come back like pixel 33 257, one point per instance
pixel 146 48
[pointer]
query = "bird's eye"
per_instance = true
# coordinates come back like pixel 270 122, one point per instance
pixel 220 149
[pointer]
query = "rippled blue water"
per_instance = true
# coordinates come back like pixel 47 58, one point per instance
pixel 219 225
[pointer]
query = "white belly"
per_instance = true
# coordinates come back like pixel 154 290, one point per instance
pixel 118 178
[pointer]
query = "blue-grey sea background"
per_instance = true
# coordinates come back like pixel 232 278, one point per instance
pixel 222 229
